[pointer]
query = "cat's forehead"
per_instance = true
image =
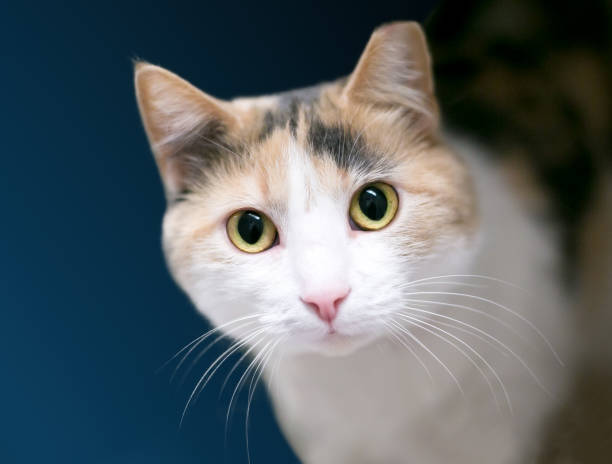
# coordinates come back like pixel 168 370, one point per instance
pixel 308 135
pixel 283 170
pixel 297 149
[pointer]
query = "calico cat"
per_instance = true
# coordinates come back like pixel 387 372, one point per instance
pixel 401 303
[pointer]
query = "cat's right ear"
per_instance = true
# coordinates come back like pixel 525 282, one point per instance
pixel 394 71
pixel 180 122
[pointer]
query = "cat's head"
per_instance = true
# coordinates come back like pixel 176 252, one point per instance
pixel 304 215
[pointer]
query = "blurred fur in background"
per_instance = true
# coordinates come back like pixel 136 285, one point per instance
pixel 532 80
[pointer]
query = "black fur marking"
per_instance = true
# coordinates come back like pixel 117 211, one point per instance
pixel 347 150
pixel 200 153
pixel 281 118
pixel 293 116
pixel 288 111
pixel 307 95
pixel 182 196
pixel 269 124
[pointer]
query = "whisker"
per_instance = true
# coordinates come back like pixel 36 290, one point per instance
pixel 205 350
pixel 476 276
pixel 256 376
pixel 470 309
pixel 443 282
pixel 498 305
pixel 420 323
pixel 490 337
pixel 201 384
pixel 244 375
pixel 433 355
pixel 402 341
pixel 242 345
pixel 464 330
pixel 233 369
pixel 204 336
pixel 260 369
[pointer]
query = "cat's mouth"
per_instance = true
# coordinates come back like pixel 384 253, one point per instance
pixel 335 338
pixel 338 343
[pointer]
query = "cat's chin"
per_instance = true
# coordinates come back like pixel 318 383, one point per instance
pixel 337 344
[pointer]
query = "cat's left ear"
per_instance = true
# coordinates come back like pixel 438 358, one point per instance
pixel 184 125
pixel 395 70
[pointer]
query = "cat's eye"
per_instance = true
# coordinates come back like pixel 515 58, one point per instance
pixel 251 231
pixel 374 206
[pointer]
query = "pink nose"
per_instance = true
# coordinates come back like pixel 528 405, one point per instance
pixel 326 303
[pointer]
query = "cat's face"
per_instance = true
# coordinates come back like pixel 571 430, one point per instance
pixel 302 217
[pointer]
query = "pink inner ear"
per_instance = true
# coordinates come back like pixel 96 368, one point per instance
pixel 326 303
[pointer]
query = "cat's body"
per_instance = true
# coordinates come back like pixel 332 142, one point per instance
pixel 377 405
pixel 432 329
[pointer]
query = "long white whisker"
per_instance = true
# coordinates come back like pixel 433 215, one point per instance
pixel 229 352
pixel 205 335
pixel 252 386
pixel 220 360
pixel 443 282
pixel 233 369
pixel 244 375
pixel 420 323
pixel 433 355
pixel 470 309
pixel 199 356
pixel 498 305
pixel 402 341
pixel 462 329
pixel 490 337
pixel 476 276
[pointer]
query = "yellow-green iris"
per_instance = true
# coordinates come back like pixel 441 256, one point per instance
pixel 251 231
pixel 374 206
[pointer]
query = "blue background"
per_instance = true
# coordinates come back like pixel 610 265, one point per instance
pixel 88 310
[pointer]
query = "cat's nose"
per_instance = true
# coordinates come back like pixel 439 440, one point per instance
pixel 326 303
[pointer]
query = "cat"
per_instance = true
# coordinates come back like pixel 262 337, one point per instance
pixel 402 304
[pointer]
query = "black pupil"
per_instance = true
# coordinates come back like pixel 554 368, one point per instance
pixel 373 203
pixel 250 227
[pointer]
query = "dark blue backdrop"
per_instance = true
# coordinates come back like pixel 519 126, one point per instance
pixel 88 309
